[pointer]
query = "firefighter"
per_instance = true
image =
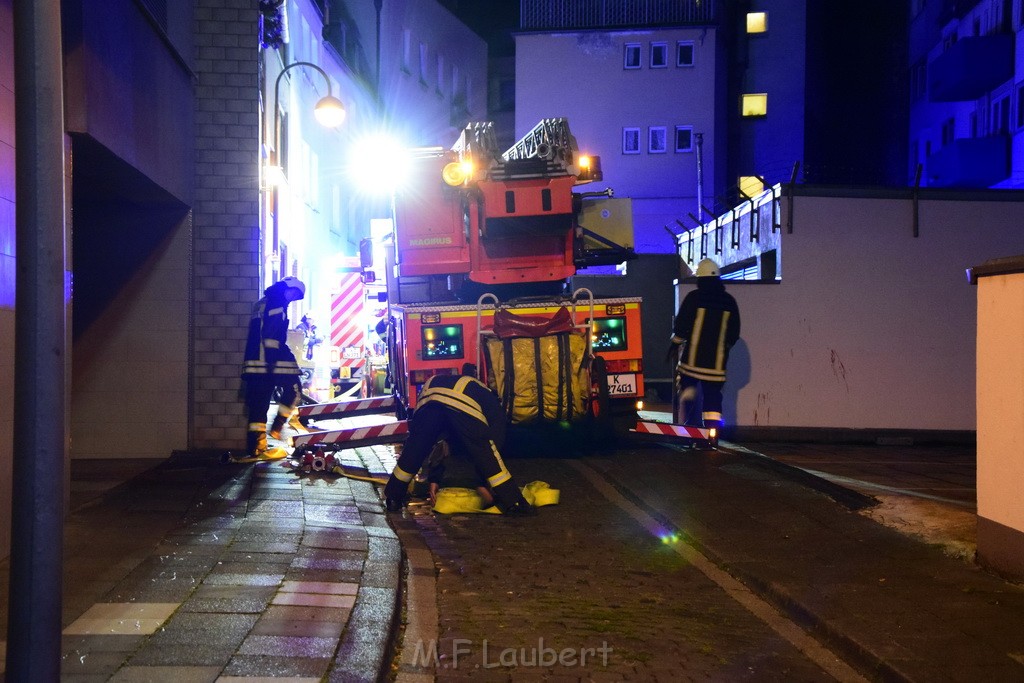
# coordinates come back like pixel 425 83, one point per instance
pixel 269 365
pixel 705 329
pixel 462 410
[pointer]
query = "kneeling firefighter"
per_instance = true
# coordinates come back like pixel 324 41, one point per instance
pixel 462 410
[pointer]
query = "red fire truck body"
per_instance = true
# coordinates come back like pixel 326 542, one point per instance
pixel 436 339
pixel 474 222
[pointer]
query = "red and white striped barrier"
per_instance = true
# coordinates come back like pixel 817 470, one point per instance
pixel 667 429
pixel 392 432
pixel 348 328
pixel 339 409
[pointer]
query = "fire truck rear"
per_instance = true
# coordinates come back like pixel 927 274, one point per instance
pixel 481 234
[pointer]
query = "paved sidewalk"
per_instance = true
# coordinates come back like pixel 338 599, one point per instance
pixel 196 570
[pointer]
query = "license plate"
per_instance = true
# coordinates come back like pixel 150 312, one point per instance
pixel 622 385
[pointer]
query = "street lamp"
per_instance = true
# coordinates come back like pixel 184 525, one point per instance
pixel 328 111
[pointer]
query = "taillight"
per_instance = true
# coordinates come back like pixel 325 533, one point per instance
pixel 620 366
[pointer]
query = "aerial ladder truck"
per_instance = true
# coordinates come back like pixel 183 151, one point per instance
pixel 478 269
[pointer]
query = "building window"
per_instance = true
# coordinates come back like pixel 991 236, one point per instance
pixel 754 104
pixel 630 140
pixel 632 56
pixel 440 75
pixel 757 22
pixel 1001 116
pixel 750 185
pixel 506 94
pixel 659 55
pixel 684 138
pixel 684 53
pixel 423 63
pixel 972 124
pixel 918 80
pixel 948 129
pixel 1020 106
pixel 406 50
pixel 656 143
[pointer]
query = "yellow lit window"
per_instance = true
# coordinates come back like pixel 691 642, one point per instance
pixel 757 22
pixel 751 185
pixel 755 104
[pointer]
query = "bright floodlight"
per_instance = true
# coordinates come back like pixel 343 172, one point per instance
pixel 329 111
pixel 380 164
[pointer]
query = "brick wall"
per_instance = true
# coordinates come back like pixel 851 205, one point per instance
pixel 225 278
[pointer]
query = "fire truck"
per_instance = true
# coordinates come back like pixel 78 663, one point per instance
pixel 479 268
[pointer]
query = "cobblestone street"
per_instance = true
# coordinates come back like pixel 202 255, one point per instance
pixel 581 592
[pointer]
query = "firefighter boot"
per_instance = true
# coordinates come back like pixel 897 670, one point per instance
pixel 295 423
pixel 256 449
pixel 278 424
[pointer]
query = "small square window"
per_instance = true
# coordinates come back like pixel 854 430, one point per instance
pixel 659 55
pixel 684 138
pixel 656 143
pixel 632 56
pixel 755 104
pixel 1020 107
pixel 750 185
pixel 684 53
pixel 757 22
pixel 630 140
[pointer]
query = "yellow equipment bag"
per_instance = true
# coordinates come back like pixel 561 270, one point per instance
pixel 540 377
pixel 453 500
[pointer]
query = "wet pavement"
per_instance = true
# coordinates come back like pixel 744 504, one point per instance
pixel 193 570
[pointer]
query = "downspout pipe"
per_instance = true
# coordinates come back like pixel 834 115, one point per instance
pixel 40 348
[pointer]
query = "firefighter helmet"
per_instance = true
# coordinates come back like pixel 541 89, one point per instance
pixel 708 268
pixel 293 282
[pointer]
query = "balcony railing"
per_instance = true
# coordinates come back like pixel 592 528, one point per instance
pixel 541 15
pixel 970 162
pixel 970 68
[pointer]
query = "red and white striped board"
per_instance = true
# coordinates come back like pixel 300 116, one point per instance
pixel 668 429
pixel 392 432
pixel 337 410
pixel 348 326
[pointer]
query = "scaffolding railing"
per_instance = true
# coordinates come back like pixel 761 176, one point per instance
pixel 539 15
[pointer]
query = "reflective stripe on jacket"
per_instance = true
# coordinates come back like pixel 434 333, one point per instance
pixel 708 322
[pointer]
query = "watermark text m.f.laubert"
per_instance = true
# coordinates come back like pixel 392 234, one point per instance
pixel 426 654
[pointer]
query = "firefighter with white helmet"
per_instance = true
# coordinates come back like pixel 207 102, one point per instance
pixel 706 327
pixel 269 364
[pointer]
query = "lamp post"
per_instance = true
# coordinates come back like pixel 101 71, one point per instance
pixel 328 111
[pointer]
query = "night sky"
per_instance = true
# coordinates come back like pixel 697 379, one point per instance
pixel 492 20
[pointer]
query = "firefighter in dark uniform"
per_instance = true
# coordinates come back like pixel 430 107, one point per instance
pixel 269 363
pixel 461 409
pixel 705 329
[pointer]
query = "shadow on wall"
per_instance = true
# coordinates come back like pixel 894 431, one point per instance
pixel 737 377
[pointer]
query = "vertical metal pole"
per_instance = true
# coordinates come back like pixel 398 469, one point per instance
pixel 917 215
pixel 37 519
pixel 699 138
pixel 378 5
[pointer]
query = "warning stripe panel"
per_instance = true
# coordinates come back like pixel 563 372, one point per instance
pixel 359 436
pixel 667 429
pixel 347 319
pixel 340 409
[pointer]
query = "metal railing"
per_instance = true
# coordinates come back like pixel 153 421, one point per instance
pixel 539 15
